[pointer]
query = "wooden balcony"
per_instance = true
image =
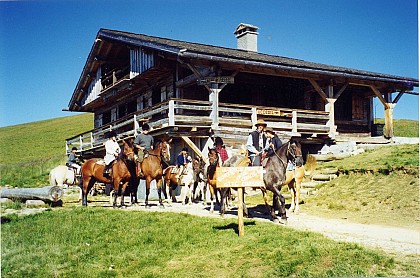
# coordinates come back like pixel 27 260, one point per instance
pixel 194 118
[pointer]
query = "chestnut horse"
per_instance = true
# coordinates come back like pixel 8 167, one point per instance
pixel 213 163
pixel 151 167
pixel 122 173
pixel 275 175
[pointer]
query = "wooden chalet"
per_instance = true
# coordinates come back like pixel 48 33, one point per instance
pixel 194 91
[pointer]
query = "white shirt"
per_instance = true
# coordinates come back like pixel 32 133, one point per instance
pixel 111 147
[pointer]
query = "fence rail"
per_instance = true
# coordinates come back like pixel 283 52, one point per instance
pixel 195 113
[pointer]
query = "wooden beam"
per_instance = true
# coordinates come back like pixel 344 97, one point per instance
pixel 338 94
pixel 397 98
pixel 192 146
pixel 379 95
pixel 318 89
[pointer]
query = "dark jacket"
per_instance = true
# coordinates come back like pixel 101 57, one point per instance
pixel 277 144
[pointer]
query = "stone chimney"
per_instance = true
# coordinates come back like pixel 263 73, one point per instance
pixel 247 37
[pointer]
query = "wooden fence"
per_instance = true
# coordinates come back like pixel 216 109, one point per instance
pixel 200 114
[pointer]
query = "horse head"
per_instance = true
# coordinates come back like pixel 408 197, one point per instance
pixel 213 156
pixel 164 149
pixel 294 152
pixel 128 149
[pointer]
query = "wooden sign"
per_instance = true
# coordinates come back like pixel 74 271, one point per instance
pixel 217 79
pixel 239 177
pixel 270 112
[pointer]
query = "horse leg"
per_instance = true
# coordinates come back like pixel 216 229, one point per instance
pixel 123 189
pixel 282 208
pixel 211 189
pixel 116 192
pixel 292 189
pixel 159 188
pixel 146 201
pixel 270 209
pixel 223 197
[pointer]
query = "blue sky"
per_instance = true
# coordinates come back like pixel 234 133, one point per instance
pixel 44 44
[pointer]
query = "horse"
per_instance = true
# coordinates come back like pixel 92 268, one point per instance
pixel 275 176
pixel 212 164
pixel 200 182
pixel 294 180
pixel 170 182
pixel 151 167
pixel 122 173
pixel 63 175
pixel 186 180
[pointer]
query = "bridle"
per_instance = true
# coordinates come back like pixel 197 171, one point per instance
pixel 288 152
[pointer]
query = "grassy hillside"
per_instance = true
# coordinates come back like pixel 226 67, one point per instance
pixel 403 128
pixel 29 151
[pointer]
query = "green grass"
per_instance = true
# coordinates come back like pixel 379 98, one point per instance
pixel 403 128
pixel 29 151
pixel 99 242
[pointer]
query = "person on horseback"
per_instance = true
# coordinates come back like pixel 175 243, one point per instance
pixel 143 144
pixel 272 145
pixel 73 161
pixel 112 150
pixel 255 143
pixel 220 148
pixel 182 160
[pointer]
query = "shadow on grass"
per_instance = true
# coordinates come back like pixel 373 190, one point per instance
pixel 233 226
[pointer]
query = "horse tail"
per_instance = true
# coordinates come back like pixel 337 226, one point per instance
pixel 310 165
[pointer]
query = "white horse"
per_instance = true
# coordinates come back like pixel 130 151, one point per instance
pixel 64 177
pixel 186 181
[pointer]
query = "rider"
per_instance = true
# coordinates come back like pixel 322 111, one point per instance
pixel 255 143
pixel 144 144
pixel 220 148
pixel 112 150
pixel 182 160
pixel 73 160
pixel 272 145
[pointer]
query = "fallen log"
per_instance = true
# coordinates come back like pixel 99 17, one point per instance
pixel 47 193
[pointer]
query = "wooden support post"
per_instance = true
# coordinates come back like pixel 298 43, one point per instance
pixel 171 113
pixel 241 229
pixel 214 115
pixel 389 122
pixel 294 121
pixel 254 116
pixel 329 107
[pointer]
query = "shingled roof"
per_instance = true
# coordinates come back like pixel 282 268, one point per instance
pixel 232 55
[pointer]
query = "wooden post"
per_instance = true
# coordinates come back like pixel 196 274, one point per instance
pixel 214 115
pixel 389 123
pixel 171 112
pixel 329 107
pixel 240 177
pixel 294 121
pixel 241 229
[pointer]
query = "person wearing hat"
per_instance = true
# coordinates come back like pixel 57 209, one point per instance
pixel 73 161
pixel 182 160
pixel 256 143
pixel 112 150
pixel 218 142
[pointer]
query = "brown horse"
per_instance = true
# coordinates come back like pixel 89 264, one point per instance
pixel 213 163
pixel 275 175
pixel 122 172
pixel 170 181
pixel 151 167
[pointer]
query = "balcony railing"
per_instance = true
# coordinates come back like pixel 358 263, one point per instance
pixel 200 114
